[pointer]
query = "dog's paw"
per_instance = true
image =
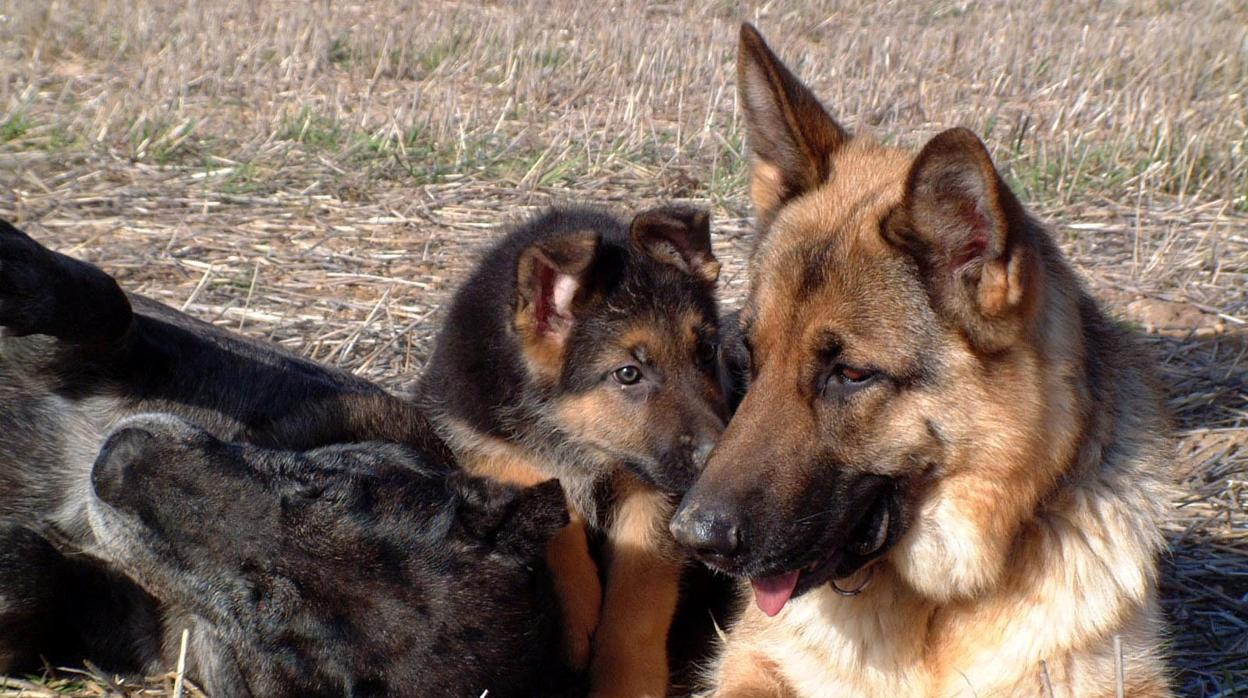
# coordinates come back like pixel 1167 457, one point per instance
pixel 27 282
pixel 42 292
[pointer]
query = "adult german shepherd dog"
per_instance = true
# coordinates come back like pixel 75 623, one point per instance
pixel 946 476
pixel 439 588
pixel 352 569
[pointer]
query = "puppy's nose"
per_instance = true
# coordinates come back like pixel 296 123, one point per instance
pixel 709 531
pixel 701 452
pixel 696 450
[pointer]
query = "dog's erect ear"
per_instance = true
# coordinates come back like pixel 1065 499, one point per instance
pixel 791 135
pixel 515 520
pixel 539 513
pixel 483 503
pixel 967 231
pixel 552 277
pixel 679 236
pixel 125 449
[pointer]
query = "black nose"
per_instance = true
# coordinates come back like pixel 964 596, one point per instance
pixel 709 531
pixel 696 451
pixel 700 453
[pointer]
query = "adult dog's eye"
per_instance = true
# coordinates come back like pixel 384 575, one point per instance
pixel 843 379
pixel 849 374
pixel 627 375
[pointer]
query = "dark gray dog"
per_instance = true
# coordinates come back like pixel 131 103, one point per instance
pixel 76 357
pixel 344 570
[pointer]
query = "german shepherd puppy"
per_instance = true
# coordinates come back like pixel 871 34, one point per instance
pixel 585 348
pixel 344 570
pixel 947 474
pixel 76 357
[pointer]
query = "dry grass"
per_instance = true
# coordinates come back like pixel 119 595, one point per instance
pixel 321 173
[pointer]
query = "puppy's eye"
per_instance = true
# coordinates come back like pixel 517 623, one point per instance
pixel 708 352
pixel 627 375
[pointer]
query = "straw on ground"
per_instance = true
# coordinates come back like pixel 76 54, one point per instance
pixel 321 175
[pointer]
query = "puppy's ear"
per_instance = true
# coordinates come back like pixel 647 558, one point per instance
pixel 679 236
pixel 513 520
pixel 969 234
pixel 552 278
pixel 791 136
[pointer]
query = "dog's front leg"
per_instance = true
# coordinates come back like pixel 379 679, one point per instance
pixel 45 292
pixel 744 672
pixel 579 589
pixel 643 580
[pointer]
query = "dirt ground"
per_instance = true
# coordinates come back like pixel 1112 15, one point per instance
pixel 322 175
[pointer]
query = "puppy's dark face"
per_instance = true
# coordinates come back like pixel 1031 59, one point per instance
pixel 345 570
pixel 624 331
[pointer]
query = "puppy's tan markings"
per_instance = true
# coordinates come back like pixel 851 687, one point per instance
pixel 630 657
pixel 549 285
pixel 589 373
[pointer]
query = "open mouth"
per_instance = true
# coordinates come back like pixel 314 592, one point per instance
pixel 873 534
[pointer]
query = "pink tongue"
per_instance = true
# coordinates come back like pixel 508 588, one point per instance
pixel 772 593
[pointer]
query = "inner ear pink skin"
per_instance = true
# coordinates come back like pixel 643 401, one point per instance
pixel 968 213
pixel 565 289
pixel 542 310
pixel 553 309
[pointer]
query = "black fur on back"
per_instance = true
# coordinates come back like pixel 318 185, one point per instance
pixel 351 569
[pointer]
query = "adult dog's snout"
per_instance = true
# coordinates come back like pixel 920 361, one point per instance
pixel 712 531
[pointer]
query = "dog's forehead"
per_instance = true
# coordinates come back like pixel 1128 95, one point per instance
pixel 824 265
pixel 866 181
pixel 678 329
pixel 660 311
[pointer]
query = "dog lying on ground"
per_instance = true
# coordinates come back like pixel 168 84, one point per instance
pixel 76 357
pixel 345 570
pixel 585 348
pixel 946 477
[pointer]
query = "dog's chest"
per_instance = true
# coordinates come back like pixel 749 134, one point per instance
pixel 835 646
pixel 52 443
pixel 508 462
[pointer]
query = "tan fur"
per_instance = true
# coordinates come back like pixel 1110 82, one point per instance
pixel 579 589
pixel 628 624
pixel 1036 532
pixel 565 258
pixel 543 354
pixel 605 377
pixel 589 417
pixel 632 619
pixel 630 651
